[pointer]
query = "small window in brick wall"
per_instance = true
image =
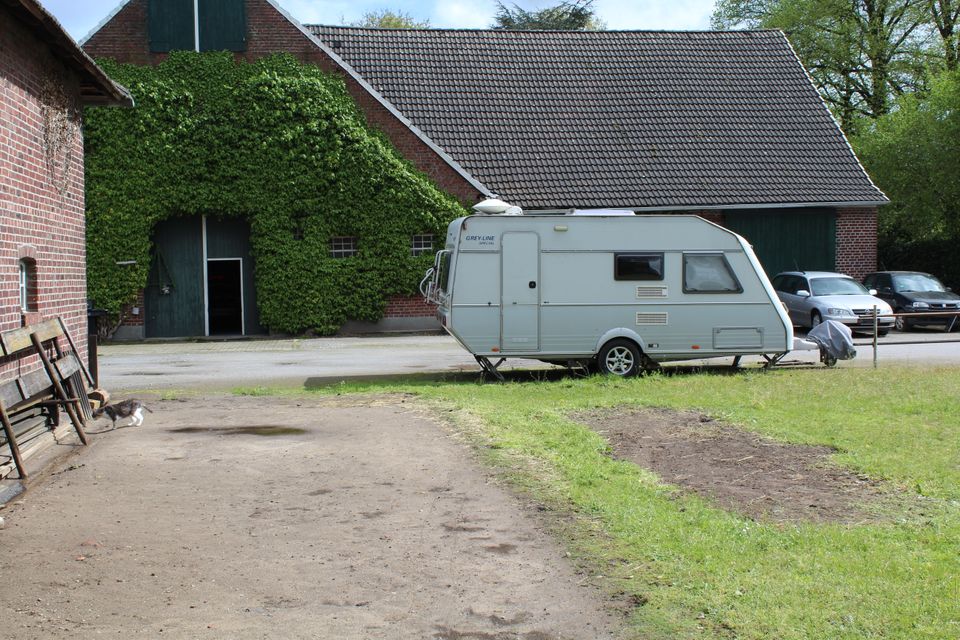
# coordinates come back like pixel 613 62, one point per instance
pixel 28 285
pixel 343 246
pixel 422 243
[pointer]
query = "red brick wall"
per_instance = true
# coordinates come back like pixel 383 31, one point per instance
pixel 125 38
pixel 409 307
pixel 857 241
pixel 41 187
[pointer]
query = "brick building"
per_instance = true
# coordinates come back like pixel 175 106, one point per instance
pixel 45 80
pixel 724 124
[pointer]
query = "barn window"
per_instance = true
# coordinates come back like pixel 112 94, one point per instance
pixel 220 25
pixel 343 246
pixel 421 244
pixel 638 266
pixel 28 285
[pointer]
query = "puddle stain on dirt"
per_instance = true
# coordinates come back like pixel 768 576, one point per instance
pixel 744 472
pixel 249 430
pixel 501 549
pixel 446 633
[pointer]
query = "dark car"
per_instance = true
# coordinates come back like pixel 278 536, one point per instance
pixel 916 292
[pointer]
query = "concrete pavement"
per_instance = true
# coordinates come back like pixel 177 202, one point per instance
pixel 299 361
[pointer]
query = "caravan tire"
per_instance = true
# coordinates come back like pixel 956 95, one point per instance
pixel 619 357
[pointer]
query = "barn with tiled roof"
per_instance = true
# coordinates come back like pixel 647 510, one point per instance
pixel 723 124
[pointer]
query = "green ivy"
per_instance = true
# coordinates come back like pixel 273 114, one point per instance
pixel 278 143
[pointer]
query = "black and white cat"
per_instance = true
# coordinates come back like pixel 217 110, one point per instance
pixel 123 410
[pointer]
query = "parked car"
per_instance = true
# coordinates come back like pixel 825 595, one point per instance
pixel 916 292
pixel 814 296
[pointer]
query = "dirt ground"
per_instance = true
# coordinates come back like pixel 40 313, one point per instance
pixel 238 517
pixel 739 470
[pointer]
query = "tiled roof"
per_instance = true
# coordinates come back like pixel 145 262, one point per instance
pixel 615 118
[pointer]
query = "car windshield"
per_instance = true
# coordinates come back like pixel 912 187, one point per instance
pixel 916 282
pixel 836 287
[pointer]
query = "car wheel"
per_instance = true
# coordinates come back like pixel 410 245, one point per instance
pixel 815 319
pixel 619 357
pixel 882 332
pixel 901 323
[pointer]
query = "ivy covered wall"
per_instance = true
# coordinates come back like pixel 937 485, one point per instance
pixel 279 143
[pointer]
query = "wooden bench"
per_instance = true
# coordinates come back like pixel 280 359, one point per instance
pixel 31 403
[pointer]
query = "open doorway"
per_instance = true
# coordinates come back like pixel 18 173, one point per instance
pixel 225 296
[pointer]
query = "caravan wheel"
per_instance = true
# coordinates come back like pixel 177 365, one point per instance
pixel 619 357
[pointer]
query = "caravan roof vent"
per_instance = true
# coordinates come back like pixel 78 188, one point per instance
pixel 495 206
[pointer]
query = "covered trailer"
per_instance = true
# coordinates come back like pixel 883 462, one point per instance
pixel 620 292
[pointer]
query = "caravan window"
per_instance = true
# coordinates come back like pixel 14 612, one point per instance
pixel 708 273
pixel 638 266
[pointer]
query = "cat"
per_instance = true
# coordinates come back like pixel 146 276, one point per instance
pixel 123 410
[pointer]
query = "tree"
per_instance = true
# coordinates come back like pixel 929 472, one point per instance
pixel 860 53
pixel 946 20
pixel 913 154
pixel 387 19
pixel 575 15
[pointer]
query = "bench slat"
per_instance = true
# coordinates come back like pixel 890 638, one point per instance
pixel 19 339
pixel 16 340
pixel 67 366
pixel 10 393
pixel 35 382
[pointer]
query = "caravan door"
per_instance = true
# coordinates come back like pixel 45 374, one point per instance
pixel 520 292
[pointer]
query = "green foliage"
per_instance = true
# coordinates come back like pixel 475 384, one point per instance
pixel 278 143
pixel 702 571
pixel 577 15
pixel 913 154
pixel 387 19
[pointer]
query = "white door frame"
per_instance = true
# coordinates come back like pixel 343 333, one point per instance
pixel 206 293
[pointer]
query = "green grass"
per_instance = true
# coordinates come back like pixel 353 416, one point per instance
pixel 707 573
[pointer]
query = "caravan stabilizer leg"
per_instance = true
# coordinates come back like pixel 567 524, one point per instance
pixel 773 360
pixel 489 367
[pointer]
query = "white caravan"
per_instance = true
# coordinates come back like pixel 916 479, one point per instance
pixel 621 292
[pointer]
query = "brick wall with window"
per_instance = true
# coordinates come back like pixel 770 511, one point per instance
pixel 41 189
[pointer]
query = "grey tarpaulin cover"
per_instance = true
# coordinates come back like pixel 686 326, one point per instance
pixel 835 338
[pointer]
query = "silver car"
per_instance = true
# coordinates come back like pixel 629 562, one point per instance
pixel 814 296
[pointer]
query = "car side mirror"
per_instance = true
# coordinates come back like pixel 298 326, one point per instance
pixel 803 293
pixel 884 290
pixel 873 292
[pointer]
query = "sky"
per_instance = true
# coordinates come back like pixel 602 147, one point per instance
pixel 79 17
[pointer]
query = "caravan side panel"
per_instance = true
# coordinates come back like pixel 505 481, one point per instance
pixel 475 307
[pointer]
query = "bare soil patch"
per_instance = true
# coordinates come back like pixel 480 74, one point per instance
pixel 741 471
pixel 355 518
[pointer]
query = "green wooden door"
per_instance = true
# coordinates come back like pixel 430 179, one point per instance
pixel 230 238
pixel 789 240
pixel 173 299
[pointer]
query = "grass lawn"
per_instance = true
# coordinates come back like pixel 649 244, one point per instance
pixel 697 571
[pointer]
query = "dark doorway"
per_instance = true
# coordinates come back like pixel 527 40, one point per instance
pixel 225 296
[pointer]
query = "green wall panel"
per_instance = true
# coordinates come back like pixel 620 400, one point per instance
pixel 171 25
pixel 223 25
pixel 788 240
pixel 177 262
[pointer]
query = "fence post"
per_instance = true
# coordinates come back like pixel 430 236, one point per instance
pixel 876 331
